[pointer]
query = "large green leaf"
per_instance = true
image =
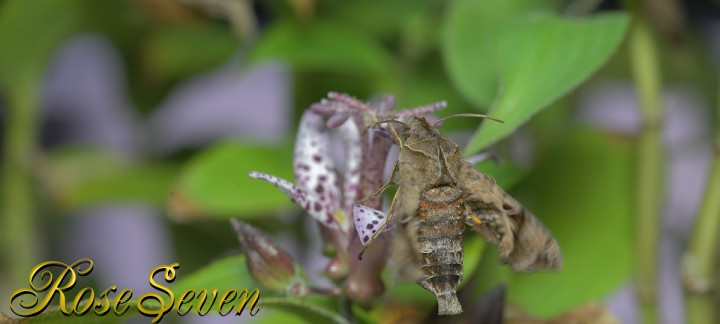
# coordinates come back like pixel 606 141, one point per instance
pixel 537 59
pixel 216 182
pixel 581 190
pixel 322 46
pixel 468 42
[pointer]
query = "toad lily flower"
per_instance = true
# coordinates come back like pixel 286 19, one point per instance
pixel 317 190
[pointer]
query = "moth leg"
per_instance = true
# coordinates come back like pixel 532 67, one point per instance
pixel 388 219
pixel 493 222
pixel 495 227
pixel 384 186
pixel 488 221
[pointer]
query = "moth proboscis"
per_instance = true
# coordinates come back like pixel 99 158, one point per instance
pixel 438 192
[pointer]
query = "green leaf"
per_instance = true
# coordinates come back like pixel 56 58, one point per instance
pixel 216 182
pixel 581 190
pixel 468 40
pixel 322 46
pixel 311 309
pixel 541 58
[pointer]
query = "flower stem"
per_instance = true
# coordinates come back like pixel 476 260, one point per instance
pixel 699 268
pixel 18 239
pixel 650 165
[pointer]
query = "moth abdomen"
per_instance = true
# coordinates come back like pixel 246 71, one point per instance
pixel 440 241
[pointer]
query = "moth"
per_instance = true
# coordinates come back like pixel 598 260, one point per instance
pixel 438 193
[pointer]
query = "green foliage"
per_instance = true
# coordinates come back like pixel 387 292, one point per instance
pixel 216 181
pixel 582 192
pixel 312 309
pixel 519 65
pixel 541 59
pixel 469 41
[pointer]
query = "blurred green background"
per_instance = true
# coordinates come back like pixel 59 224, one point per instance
pixel 129 128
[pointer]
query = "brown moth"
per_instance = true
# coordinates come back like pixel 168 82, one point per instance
pixel 438 192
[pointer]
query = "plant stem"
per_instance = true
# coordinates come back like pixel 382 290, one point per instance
pixel 650 165
pixel 699 264
pixel 18 238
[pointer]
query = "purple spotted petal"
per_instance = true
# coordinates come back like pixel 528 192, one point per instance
pixel 368 221
pixel 314 168
pixel 302 198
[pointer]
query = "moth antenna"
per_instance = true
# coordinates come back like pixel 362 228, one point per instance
pixel 392 130
pixel 437 123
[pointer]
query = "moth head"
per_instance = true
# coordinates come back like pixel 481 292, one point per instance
pixel 419 126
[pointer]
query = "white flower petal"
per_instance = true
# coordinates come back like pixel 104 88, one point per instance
pixel 314 168
pixel 350 135
pixel 302 198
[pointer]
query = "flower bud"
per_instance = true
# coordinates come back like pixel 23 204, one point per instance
pixel 268 262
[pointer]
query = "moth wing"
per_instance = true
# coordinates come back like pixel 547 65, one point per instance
pixel 539 249
pixel 523 241
pixel 368 221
